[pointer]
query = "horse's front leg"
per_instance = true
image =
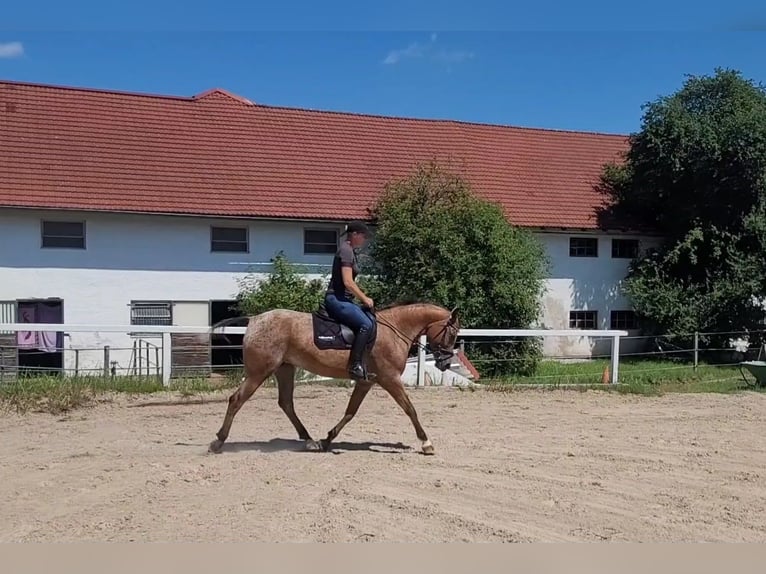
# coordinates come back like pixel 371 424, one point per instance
pixel 395 388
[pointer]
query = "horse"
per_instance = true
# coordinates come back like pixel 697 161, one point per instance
pixel 278 341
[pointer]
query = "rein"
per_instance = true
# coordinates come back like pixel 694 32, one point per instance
pixel 404 337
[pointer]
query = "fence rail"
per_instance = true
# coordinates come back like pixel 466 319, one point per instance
pixel 163 352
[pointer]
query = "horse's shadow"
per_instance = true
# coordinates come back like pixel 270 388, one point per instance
pixel 295 445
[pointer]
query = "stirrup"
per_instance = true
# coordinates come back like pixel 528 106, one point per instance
pixel 355 376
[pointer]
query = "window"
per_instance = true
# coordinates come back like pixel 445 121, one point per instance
pixel 322 241
pixel 583 247
pixel 7 315
pixel 623 320
pixel 624 248
pixel 228 239
pixel 582 319
pixel 63 234
pixel 151 313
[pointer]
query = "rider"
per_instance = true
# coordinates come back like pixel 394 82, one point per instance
pixel 342 289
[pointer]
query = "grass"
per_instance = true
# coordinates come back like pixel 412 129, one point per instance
pixel 57 395
pixel 642 377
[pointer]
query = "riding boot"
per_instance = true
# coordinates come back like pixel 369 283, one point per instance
pixel 356 366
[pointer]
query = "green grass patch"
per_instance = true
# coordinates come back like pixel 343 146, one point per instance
pixel 62 394
pixel 642 377
pixel 57 395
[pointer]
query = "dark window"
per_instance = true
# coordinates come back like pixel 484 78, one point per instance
pixel 322 241
pixel 623 320
pixel 66 234
pixel 582 319
pixel 583 247
pixel 228 239
pixel 624 248
pixel 151 313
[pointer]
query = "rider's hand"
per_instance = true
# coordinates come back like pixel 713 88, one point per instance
pixel 368 302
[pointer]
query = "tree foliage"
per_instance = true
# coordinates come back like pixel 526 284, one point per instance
pixel 435 240
pixel 286 287
pixel 695 174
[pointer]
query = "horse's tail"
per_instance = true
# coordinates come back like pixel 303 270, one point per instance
pixel 227 322
pixel 230 321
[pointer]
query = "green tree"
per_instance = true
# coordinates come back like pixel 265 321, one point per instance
pixel 695 174
pixel 286 287
pixel 435 240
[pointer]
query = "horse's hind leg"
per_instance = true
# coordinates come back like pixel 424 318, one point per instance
pixel 361 388
pixel 250 383
pixel 286 384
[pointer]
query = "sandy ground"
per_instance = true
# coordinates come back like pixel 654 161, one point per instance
pixel 516 467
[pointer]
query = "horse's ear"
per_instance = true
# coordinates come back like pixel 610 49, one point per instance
pixel 453 315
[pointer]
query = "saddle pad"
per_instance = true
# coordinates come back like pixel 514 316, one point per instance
pixel 328 334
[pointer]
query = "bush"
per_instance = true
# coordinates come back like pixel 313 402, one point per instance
pixel 436 241
pixel 695 173
pixel 286 287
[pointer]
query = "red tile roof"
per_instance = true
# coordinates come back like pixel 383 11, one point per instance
pixel 222 155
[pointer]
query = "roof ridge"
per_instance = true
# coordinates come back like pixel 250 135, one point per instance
pixel 445 121
pixel 246 101
pixel 70 88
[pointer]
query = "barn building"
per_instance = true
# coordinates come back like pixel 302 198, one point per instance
pixel 135 209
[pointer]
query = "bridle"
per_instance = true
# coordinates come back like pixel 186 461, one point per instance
pixel 442 352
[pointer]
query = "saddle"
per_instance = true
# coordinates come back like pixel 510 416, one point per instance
pixel 330 333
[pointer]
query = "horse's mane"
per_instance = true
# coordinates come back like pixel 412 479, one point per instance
pixel 404 302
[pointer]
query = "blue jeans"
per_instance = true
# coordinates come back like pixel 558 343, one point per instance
pixel 347 312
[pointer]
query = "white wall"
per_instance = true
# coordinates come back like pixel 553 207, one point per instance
pixel 584 283
pixel 136 257
pixel 131 257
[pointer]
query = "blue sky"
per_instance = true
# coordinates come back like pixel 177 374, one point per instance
pixel 583 66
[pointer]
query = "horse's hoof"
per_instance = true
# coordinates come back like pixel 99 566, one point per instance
pixel 313 446
pixel 324 444
pixel 428 448
pixel 216 446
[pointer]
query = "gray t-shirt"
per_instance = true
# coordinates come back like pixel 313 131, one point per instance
pixel 344 257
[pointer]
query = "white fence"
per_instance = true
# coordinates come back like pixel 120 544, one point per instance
pixel 164 357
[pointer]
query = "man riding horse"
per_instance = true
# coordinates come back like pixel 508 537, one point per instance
pixel 341 291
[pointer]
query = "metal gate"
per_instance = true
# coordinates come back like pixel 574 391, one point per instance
pixel 9 357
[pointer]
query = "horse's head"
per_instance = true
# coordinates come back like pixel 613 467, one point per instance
pixel 441 336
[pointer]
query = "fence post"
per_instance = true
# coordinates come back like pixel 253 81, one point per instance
pixel 166 359
pixel 696 349
pixel 106 361
pixel 421 361
pixel 615 359
pixel 157 359
pixel 76 362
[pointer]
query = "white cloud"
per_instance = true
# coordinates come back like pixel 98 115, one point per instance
pixel 428 50
pixel 414 50
pixel 11 50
